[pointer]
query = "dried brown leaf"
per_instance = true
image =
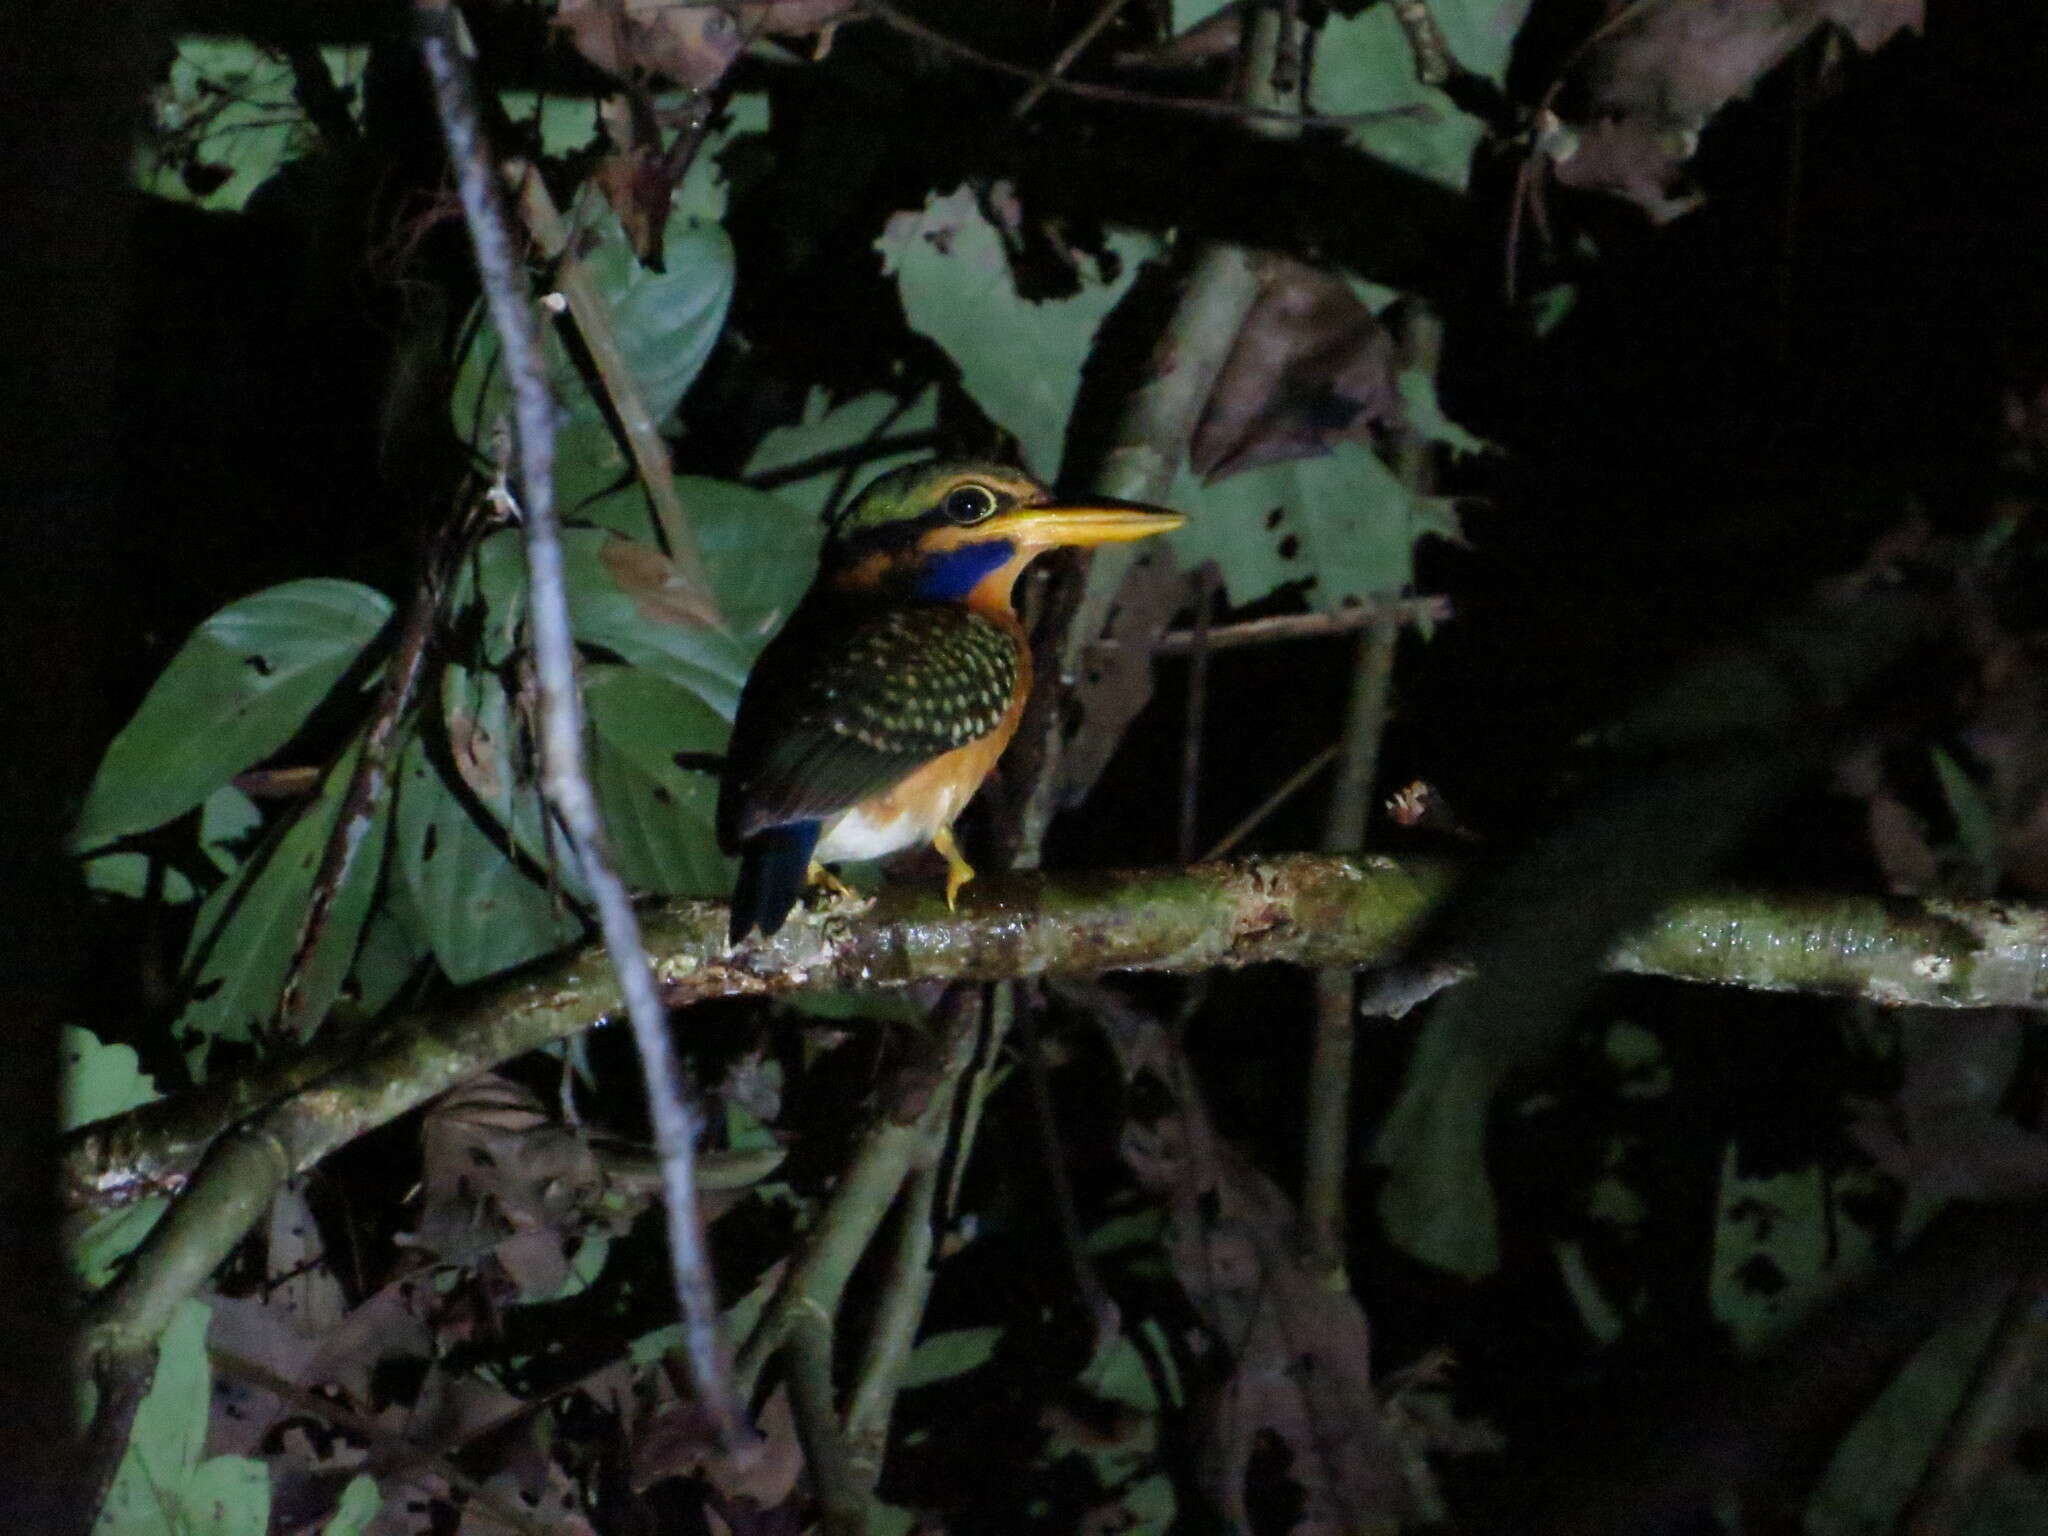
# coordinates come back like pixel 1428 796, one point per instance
pixel 1311 366
pixel 1300 1355
pixel 662 596
pixel 690 45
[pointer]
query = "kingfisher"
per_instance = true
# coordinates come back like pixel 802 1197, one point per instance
pixel 877 711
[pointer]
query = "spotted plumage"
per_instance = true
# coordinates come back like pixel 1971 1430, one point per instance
pixel 873 716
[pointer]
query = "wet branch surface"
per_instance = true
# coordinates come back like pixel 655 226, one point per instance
pixel 1296 909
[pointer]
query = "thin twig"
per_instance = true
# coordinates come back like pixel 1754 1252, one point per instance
pixel 1201 106
pixel 842 1496
pixel 592 315
pixel 1980 1435
pixel 1197 702
pixel 866 451
pixel 1289 787
pixel 906 1287
pixel 349 835
pixel 1105 13
pixel 1282 627
pixel 1328 1136
pixel 1094 1294
pixel 392 1452
pixel 568 787
pixel 918 1103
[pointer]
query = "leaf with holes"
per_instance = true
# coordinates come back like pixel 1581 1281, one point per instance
pixel 163 1484
pixel 1021 359
pixel 237 690
pixel 1341 522
pixel 242 946
pixel 659 814
pixel 478 910
pixel 828 430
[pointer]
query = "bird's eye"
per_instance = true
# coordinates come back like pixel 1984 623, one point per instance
pixel 969 504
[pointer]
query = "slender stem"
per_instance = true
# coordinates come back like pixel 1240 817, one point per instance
pixel 841 1493
pixel 1980 1434
pixel 1201 106
pixel 1197 702
pixel 561 706
pixel 1289 787
pixel 356 816
pixel 1282 627
pixel 905 1290
pixel 1105 13
pixel 593 319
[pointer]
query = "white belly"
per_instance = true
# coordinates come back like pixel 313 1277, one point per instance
pixel 878 829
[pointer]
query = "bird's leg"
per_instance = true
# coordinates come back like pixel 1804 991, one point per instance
pixel 819 875
pixel 958 870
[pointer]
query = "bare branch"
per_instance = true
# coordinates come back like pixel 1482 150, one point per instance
pixel 561 705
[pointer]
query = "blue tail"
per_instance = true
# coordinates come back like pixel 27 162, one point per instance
pixel 772 868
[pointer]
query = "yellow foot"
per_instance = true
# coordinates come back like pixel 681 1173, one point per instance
pixel 819 875
pixel 958 870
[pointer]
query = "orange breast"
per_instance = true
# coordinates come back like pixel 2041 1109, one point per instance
pixel 915 807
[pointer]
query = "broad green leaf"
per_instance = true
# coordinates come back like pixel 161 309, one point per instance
pixel 621 598
pixel 162 1487
pixel 1879 1463
pixel 828 429
pixel 388 957
pixel 658 814
pixel 1192 13
pixel 1783 1242
pixel 945 1355
pixel 126 873
pixel 1344 521
pixel 665 323
pixel 360 1502
pixel 225 118
pixel 99 1079
pixel 1020 359
pixel 237 690
pixel 761 551
pixel 1426 415
pixel 491 751
pixel 1976 823
pixel 247 930
pixel 97 1248
pixel 480 912
pixel 1363 63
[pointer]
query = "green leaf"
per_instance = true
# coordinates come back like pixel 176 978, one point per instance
pixel 659 815
pixel 1878 1463
pixel 493 754
pixel 1345 522
pixel 359 1504
pixel 1426 415
pixel 1363 63
pixel 237 690
pixel 480 913
pixel 829 429
pixel 225 119
pixel 126 873
pixel 1020 359
pixel 246 932
pixel 945 1355
pixel 100 1079
pixel 761 551
pixel 665 323
pixel 1976 823
pixel 162 1487
pixel 96 1250
pixel 1783 1242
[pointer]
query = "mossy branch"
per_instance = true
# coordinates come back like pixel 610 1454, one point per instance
pixel 1296 909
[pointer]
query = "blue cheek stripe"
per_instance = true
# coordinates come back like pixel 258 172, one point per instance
pixel 949 577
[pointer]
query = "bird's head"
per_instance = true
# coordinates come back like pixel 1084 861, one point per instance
pixel 955 531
